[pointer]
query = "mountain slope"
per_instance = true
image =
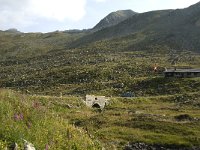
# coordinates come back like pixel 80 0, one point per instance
pixel 17 44
pixel 179 29
pixel 134 24
pixel 114 18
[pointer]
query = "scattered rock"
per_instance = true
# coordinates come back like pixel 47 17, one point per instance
pixel 68 106
pixel 28 146
pixel 138 112
pixel 137 146
pixel 143 146
pixel 14 146
pixel 183 117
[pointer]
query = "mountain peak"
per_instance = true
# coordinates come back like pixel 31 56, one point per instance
pixel 12 30
pixel 196 4
pixel 114 18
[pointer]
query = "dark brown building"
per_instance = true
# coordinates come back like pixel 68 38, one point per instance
pixel 182 73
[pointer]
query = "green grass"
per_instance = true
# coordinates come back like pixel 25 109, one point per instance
pixel 96 70
pixel 66 123
pixel 40 124
pixel 44 67
pixel 149 120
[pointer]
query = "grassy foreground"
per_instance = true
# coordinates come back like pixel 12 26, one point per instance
pixel 66 123
pixel 36 120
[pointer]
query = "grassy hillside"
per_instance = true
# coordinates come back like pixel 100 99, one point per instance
pixel 151 120
pixel 37 120
pixel 105 67
pixel 48 75
pixel 66 123
pixel 24 45
pixel 164 112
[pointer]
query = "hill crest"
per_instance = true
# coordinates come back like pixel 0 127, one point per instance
pixel 114 18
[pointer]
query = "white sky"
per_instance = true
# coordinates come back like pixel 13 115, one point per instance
pixel 51 15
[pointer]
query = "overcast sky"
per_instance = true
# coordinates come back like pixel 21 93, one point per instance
pixel 51 15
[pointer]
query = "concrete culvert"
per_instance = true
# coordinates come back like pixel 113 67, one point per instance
pixel 96 101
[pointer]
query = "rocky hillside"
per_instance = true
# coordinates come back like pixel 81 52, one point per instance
pixel 114 18
pixel 53 72
pixel 178 29
pixel 16 44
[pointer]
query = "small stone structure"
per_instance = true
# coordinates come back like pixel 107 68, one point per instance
pixel 96 101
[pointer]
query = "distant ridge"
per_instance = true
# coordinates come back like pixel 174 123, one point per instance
pixel 178 29
pixel 12 30
pixel 114 18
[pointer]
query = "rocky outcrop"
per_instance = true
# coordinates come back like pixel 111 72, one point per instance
pixel 143 146
pixel 114 18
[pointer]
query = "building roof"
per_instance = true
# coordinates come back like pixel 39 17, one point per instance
pixel 182 70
